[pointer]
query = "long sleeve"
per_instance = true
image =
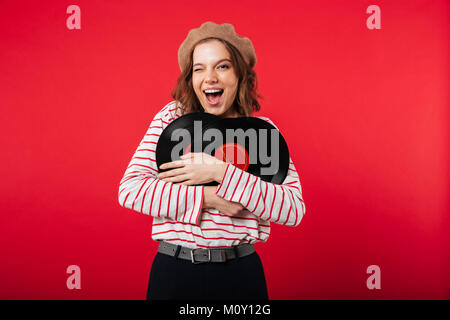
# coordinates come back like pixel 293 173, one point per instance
pixel 141 190
pixel 282 204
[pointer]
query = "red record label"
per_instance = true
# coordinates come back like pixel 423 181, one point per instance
pixel 233 153
pixel 188 149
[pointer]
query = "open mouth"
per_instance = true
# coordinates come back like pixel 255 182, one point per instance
pixel 213 96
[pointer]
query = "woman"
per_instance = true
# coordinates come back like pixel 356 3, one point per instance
pixel 206 233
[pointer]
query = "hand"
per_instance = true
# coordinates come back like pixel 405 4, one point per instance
pixel 212 200
pixel 194 168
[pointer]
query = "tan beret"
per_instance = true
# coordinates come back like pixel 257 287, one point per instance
pixel 222 31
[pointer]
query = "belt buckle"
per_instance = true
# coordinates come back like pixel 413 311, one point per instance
pixel 197 262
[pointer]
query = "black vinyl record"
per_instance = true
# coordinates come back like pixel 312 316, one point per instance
pixel 249 143
pixel 183 135
pixel 266 151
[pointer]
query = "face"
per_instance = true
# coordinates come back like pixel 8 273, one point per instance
pixel 214 78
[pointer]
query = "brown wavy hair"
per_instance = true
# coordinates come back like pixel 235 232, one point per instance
pixel 246 101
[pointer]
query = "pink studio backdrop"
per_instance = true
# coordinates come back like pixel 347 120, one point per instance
pixel 364 112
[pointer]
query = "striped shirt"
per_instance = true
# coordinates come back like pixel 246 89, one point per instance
pixel 178 216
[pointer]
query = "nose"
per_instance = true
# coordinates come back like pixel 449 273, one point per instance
pixel 211 76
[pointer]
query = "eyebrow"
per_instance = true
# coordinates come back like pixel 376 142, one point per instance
pixel 216 62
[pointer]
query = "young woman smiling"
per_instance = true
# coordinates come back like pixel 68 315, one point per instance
pixel 206 233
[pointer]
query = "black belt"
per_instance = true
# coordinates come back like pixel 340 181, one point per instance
pixel 206 255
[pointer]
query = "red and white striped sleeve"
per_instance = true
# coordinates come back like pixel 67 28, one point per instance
pixel 141 190
pixel 282 204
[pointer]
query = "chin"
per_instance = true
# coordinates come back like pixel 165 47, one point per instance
pixel 215 111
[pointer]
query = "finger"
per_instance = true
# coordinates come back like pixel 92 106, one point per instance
pixel 187 155
pixel 173 164
pixel 191 158
pixel 229 214
pixel 199 157
pixel 171 173
pixel 188 183
pixel 177 179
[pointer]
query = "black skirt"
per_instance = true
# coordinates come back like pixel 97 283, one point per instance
pixel 178 279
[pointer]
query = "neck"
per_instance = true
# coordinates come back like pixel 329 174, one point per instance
pixel 231 113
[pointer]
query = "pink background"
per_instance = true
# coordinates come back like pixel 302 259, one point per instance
pixel 364 112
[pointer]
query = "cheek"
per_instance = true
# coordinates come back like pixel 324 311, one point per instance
pixel 198 92
pixel 195 84
pixel 232 85
pixel 232 90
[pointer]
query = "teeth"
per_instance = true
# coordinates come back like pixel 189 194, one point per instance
pixel 213 91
